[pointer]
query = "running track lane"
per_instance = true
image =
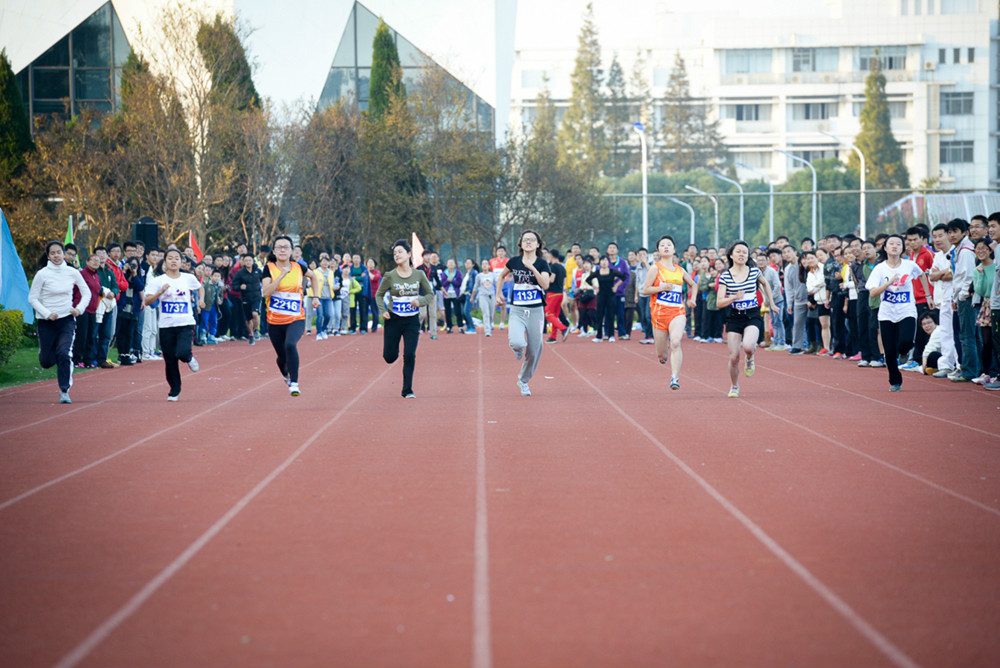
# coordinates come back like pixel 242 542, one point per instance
pixel 676 573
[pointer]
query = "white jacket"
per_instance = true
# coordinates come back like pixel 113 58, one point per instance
pixel 52 291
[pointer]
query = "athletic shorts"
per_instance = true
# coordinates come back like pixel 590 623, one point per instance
pixel 662 316
pixel 738 321
pixel 249 307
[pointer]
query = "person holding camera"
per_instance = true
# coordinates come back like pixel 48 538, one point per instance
pixel 129 307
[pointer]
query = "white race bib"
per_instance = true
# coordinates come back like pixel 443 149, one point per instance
pixel 526 294
pixel 285 303
pixel 673 297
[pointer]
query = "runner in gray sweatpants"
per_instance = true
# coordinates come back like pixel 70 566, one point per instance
pixel 531 277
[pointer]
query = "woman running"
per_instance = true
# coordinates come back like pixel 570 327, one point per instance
pixel 282 288
pixel 399 301
pixel 738 290
pixel 51 296
pixel 892 279
pixel 527 312
pixel 173 290
pixel 665 289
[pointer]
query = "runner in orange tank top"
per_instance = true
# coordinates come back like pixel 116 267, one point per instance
pixel 283 292
pixel 664 285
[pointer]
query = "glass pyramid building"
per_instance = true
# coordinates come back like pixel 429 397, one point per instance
pixel 350 72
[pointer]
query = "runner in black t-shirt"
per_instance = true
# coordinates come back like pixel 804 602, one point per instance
pixel 247 281
pixel 531 278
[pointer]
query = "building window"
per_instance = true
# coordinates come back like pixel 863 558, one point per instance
pixel 972 55
pixel 661 77
pixel 815 60
pixel 814 111
pixel 942 56
pixel 958 6
pixel 916 7
pixel 748 61
pixel 897 108
pixel 755 159
pixel 956 56
pixel 930 7
pixel 891 57
pixel 953 152
pixel 747 112
pixel 956 104
pixel 903 7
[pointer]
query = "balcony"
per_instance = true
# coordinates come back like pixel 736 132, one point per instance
pixel 891 76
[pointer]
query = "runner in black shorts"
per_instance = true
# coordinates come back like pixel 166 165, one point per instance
pixel 247 281
pixel 738 290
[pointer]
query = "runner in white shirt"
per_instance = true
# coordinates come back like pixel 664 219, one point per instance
pixel 174 291
pixel 897 312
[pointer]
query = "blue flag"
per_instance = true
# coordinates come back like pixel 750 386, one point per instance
pixel 13 282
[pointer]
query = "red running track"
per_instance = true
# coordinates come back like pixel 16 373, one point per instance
pixel 816 521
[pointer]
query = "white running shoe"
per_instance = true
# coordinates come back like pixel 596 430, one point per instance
pixel 64 397
pixel 172 397
pixel 193 365
pixel 293 389
pixel 525 392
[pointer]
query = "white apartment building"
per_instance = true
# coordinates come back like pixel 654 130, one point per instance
pixel 776 74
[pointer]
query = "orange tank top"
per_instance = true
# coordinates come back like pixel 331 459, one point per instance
pixel 674 298
pixel 284 306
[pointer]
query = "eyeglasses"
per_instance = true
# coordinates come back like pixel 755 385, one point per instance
pixel 282 248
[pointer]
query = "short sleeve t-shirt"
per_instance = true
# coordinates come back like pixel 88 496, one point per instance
pixel 175 304
pixel 897 302
pixel 527 292
pixel 748 287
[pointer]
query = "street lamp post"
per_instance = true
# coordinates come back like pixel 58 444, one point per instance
pixel 638 127
pixel 738 187
pixel 813 170
pixel 715 201
pixel 861 157
pixel 690 210
pixel 770 184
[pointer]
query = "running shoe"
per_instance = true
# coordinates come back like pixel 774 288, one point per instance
pixel 982 380
pixel 525 392
pixel 823 351
pixel 877 364
pixel 625 337
pixel 434 337
pixel 734 392
pixel 106 365
pixel 895 388
pixel 839 356
pixel 597 340
pixel 663 361
pixel 909 366
pixel 796 351
pixel 959 379
pixel 288 381
pixel 941 373
pixel 64 398
pixel 863 363
pixel 995 385
pixel 172 397
pixel 750 367
pixel 565 334
pixel 193 365
pixel 293 389
pixel 855 358
pixel 581 335
pixel 252 340
pixel 675 384
pixel 611 339
pixel 488 334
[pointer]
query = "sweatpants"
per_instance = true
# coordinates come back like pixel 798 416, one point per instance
pixel 175 342
pixel 407 328
pixel 150 328
pixel 525 328
pixel 949 355
pixel 55 348
pixel 85 341
pixel 488 307
pixel 897 339
pixel 285 339
pixel 553 307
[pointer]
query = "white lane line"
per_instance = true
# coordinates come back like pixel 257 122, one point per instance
pixel 860 453
pixel 482 654
pixel 992 434
pixel 102 401
pixel 82 469
pixel 893 653
pixel 102 632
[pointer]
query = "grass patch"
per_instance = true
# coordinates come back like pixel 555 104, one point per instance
pixel 23 366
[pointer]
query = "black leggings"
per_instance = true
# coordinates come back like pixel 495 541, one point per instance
pixel 175 342
pixel 55 348
pixel 285 339
pixel 398 327
pixel 897 339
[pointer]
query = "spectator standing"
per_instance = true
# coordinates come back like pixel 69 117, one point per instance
pixel 796 299
pixel 451 288
pixel 963 265
pixel 484 294
pixel 982 283
pixel 994 232
pixel 941 279
pixel 465 299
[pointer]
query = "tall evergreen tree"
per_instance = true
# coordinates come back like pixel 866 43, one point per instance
pixel 226 60
pixel 883 158
pixel 581 138
pixel 386 81
pixel 619 122
pixel 15 130
pixel 689 140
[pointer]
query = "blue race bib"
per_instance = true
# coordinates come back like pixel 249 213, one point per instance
pixel 287 303
pixel 891 297
pixel 526 294
pixel 175 308
pixel 404 306
pixel 745 304
pixel 672 298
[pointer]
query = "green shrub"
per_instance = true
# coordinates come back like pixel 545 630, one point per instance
pixel 11 331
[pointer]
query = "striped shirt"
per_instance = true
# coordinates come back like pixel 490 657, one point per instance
pixel 748 287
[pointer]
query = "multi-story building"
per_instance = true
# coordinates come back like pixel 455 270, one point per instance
pixel 776 76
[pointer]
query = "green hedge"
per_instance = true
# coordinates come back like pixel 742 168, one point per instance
pixel 11 330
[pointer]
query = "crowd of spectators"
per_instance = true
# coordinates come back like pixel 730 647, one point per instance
pixel 822 306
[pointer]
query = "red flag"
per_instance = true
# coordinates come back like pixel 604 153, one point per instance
pixel 418 251
pixel 194 245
